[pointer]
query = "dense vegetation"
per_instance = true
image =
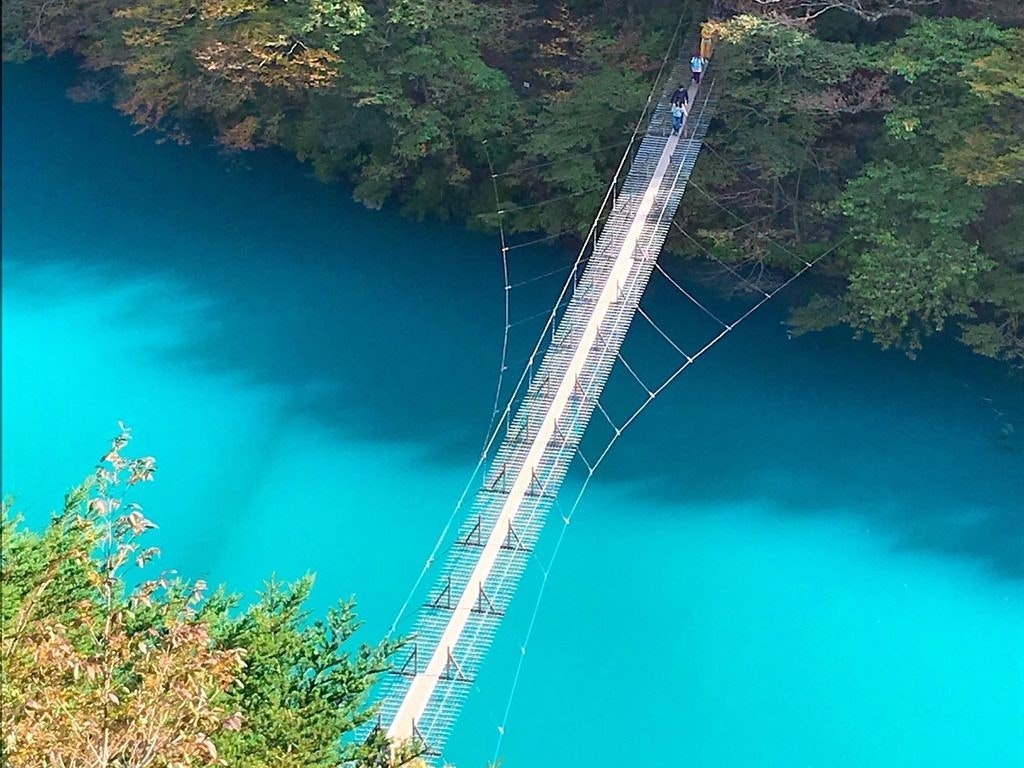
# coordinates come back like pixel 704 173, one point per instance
pixel 889 127
pixel 105 667
pixel 904 147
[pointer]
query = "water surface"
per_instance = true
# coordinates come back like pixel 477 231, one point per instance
pixel 807 553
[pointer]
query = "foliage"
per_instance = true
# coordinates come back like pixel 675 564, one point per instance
pixel 914 212
pixel 300 690
pixel 605 102
pixel 397 96
pixel 96 672
pixel 829 111
pixel 792 109
pixel 904 151
pixel 102 667
pixel 913 266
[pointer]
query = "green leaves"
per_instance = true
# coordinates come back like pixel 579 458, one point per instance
pixel 888 196
pixel 911 267
pixel 302 689
pixel 902 287
pixel 927 239
pixel 91 662
pixel 963 97
pixel 917 263
pixel 336 20
pixel 990 151
pixel 938 49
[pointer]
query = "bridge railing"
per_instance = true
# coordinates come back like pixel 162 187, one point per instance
pixel 491 598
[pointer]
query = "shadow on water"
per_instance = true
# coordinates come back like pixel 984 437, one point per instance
pixel 350 314
pixel 390 330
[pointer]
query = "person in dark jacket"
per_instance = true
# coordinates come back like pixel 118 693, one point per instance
pixel 680 96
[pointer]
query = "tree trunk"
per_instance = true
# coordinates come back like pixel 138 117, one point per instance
pixel 796 203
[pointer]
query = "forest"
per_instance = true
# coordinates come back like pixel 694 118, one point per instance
pixel 886 129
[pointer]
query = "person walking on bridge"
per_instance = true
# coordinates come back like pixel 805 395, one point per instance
pixel 696 67
pixel 680 98
pixel 677 118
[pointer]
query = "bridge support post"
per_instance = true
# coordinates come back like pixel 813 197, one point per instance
pixel 446 595
pixel 453 664
pixel 414 659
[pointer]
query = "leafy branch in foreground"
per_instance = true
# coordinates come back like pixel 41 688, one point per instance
pixel 104 668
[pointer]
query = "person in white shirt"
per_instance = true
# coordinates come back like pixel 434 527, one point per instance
pixel 696 67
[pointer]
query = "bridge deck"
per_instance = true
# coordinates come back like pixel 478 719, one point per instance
pixel 477 582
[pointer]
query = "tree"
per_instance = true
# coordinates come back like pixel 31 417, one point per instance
pixel 915 197
pixel 300 690
pixel 990 152
pixel 916 259
pixel 424 69
pixel 791 110
pixel 575 127
pixel 97 673
pixel 103 668
pixel 914 266
pixel 805 11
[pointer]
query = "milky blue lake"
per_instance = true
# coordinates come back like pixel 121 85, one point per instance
pixel 809 552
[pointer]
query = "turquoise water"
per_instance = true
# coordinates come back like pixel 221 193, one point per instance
pixel 809 553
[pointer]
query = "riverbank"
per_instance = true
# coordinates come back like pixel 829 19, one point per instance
pixel 865 136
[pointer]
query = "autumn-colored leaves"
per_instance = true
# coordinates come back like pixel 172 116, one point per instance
pixel 215 58
pixel 103 667
pixel 258 57
pixel 97 672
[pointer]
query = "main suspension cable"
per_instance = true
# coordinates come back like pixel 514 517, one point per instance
pixel 505 290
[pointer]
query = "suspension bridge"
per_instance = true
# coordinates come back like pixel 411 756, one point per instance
pixel 540 439
pixel 526 457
